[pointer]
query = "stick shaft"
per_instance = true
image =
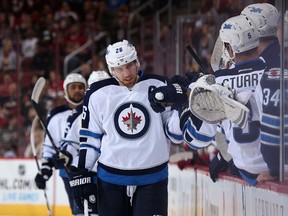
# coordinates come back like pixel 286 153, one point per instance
pixel 197 59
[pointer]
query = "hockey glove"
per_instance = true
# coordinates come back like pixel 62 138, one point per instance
pixel 171 95
pixel 217 165
pixel 156 106
pixel 64 159
pixel 187 80
pixel 44 174
pixel 84 188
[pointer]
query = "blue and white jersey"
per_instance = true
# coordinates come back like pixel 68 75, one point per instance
pixel 269 103
pixel 56 124
pixel 70 141
pixel 243 144
pixel 120 129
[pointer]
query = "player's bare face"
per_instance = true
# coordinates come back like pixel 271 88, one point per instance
pixel 76 92
pixel 126 74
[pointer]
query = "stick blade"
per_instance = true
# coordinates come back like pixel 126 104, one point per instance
pixel 32 133
pixel 39 85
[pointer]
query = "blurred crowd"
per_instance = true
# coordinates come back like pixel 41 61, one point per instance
pixel 36 35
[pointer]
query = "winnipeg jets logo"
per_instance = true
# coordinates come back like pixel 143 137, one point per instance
pixel 275 73
pixel 131 120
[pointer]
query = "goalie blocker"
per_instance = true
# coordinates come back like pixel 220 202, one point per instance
pixel 212 102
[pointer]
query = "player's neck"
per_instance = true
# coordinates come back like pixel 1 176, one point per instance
pixel 242 57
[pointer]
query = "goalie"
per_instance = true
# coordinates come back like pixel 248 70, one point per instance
pixel 240 40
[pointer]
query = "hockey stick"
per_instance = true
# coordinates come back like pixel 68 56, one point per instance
pixel 32 142
pixel 39 85
pixel 197 59
pixel 86 209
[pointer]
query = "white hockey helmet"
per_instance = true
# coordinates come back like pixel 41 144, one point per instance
pixel 97 76
pixel 73 78
pixel 259 14
pixel 120 53
pixel 240 32
pixel 275 20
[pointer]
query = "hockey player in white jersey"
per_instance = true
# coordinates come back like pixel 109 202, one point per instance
pixel 70 142
pixel 240 34
pixel 74 87
pixel 127 138
pixel 241 39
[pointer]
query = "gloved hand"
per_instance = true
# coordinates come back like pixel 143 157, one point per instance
pixel 44 174
pixel 170 95
pixel 187 80
pixel 217 165
pixel 64 159
pixel 84 188
pixel 156 106
pixel 193 76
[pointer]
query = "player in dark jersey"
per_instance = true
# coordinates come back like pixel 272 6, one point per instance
pixel 270 103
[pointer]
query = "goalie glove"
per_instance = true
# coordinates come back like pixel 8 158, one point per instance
pixel 212 102
pixel 171 95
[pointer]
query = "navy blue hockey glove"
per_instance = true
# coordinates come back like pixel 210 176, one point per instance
pixel 187 80
pixel 171 95
pixel 180 80
pixel 85 188
pixel 193 76
pixel 64 159
pixel 44 174
pixel 217 165
pixel 156 106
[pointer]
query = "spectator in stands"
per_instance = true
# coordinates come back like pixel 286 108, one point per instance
pixel 73 40
pixel 29 43
pixel 55 85
pixel 43 59
pixel 7 55
pixel 85 70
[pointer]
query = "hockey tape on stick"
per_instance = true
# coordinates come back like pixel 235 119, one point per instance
pixel 86 209
pixel 39 85
pixel 197 59
pixel 32 142
pixel 37 90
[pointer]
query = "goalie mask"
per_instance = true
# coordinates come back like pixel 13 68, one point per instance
pixel 73 78
pixel 259 14
pixel 120 53
pixel 240 33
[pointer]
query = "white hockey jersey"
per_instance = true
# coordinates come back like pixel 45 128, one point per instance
pixel 121 131
pixel 243 144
